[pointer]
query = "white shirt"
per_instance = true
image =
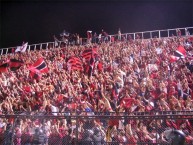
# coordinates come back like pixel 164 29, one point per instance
pixel 54 110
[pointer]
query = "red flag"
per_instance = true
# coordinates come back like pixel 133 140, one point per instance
pixel 40 65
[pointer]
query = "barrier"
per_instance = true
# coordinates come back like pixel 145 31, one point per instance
pixel 142 35
pixel 113 128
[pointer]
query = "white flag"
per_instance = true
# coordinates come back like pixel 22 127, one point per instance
pixel 22 48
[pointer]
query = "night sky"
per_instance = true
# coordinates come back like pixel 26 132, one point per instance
pixel 37 21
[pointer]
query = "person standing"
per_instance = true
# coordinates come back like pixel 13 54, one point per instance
pixel 89 37
pixel 175 137
pixel 86 139
pixel 77 39
pixel 94 40
pixel 38 138
pixel 56 41
pixel 97 136
pixel 119 34
pixel 105 36
pixel 8 135
pixel 67 139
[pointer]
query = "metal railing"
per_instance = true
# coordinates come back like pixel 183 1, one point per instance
pixel 110 128
pixel 142 35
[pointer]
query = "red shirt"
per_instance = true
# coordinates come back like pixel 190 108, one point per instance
pixel 113 122
pixel 100 67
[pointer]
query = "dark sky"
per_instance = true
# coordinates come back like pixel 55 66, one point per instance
pixel 37 21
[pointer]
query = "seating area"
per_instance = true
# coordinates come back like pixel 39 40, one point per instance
pixel 123 76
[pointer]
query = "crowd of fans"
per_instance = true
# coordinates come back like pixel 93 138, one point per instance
pixel 128 76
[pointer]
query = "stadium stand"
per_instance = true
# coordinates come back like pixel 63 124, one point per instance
pixel 90 94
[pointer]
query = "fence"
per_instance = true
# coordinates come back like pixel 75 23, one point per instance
pixel 143 35
pixel 97 128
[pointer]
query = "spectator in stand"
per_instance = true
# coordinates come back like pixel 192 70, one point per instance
pixel 89 36
pixel 8 135
pixel 86 138
pixel 119 34
pixel 67 138
pixel 105 36
pixel 56 41
pixel 95 37
pixel 100 38
pixel 26 137
pixel 77 41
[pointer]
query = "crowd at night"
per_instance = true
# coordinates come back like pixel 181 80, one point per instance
pixel 110 77
pixel 90 82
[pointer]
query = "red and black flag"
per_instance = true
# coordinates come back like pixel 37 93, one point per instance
pixel 74 63
pixel 40 65
pixel 180 52
pixel 4 67
pixel 15 64
pixel 88 53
